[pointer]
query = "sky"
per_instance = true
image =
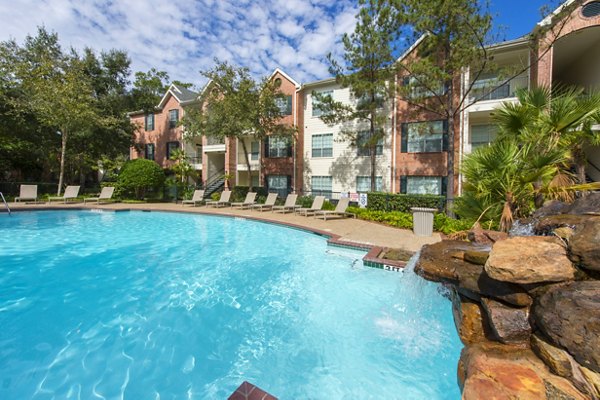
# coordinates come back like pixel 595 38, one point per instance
pixel 184 37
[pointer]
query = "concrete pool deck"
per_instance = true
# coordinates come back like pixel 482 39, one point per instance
pixel 344 230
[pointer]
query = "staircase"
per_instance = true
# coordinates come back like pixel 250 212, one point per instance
pixel 214 183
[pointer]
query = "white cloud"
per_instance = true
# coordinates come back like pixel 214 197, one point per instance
pixel 184 37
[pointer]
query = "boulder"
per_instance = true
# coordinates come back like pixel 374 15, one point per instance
pixel 552 207
pixel 494 371
pixel 584 245
pixel 529 259
pixel 570 316
pixel 438 262
pixel 586 204
pixel 564 232
pixel 476 257
pixel 563 364
pixel 444 262
pixel 468 318
pixel 509 324
pixel 483 236
pixel 547 225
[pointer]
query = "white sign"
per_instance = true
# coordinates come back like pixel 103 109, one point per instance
pixel 362 200
pixel 354 197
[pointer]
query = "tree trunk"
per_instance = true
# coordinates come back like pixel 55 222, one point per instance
pixel 450 179
pixel 580 161
pixel 63 151
pixel 245 148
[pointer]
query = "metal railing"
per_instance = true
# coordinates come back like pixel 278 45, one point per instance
pixel 495 89
pixel 5 203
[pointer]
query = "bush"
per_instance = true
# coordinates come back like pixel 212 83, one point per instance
pixel 403 202
pixel 139 176
pixel 306 202
pixel 447 225
pixel 238 193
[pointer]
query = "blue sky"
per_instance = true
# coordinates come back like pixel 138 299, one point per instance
pixel 183 37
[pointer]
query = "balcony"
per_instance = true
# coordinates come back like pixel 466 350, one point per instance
pixel 196 162
pixel 254 165
pixel 493 88
pixel 214 145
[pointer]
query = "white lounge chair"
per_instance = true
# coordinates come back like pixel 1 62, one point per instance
pixel 71 193
pixel 340 210
pixel 268 204
pixel 27 192
pixel 316 206
pixel 105 195
pixel 223 200
pixel 290 204
pixel 197 197
pixel 248 202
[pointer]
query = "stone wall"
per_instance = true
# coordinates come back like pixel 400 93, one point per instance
pixel 527 308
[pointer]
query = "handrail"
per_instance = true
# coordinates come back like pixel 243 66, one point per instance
pixel 214 177
pixel 5 203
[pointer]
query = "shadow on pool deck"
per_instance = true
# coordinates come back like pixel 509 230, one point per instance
pixel 343 231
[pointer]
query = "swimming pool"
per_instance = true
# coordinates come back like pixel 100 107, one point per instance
pixel 163 305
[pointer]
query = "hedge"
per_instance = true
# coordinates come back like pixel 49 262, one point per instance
pixel 377 201
pixel 238 193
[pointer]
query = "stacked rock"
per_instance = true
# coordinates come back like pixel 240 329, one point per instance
pixel 527 308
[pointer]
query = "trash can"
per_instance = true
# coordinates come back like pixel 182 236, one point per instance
pixel 423 220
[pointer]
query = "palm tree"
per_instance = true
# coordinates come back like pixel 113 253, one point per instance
pixel 559 119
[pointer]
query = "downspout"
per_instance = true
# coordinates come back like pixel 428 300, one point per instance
pixel 295 172
pixel 394 114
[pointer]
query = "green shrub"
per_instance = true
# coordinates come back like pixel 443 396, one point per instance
pixel 447 225
pixel 138 177
pixel 306 202
pixel 403 202
pixel 238 193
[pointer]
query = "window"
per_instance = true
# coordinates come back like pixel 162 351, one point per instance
pixel 254 150
pixel 150 151
pixel 198 158
pixel 255 181
pixel 363 184
pixel 284 103
pixel 149 122
pixel 591 9
pixel 417 91
pixel 173 118
pixel 171 146
pixel 363 146
pixel 321 186
pixel 482 135
pixel 364 101
pixel 279 184
pixel 435 185
pixel 424 137
pixel 278 147
pixel 322 145
pixel 316 111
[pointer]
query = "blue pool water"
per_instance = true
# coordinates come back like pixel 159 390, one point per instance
pixel 170 306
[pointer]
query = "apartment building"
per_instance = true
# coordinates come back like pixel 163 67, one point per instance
pixel 332 164
pixel 158 133
pixel 413 157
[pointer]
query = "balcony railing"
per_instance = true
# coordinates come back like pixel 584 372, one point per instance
pixel 494 88
pixel 213 141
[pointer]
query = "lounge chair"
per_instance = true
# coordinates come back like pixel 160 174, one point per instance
pixel 316 206
pixel 340 210
pixel 223 200
pixel 105 195
pixel 71 192
pixel 27 192
pixel 197 197
pixel 248 202
pixel 269 203
pixel 290 204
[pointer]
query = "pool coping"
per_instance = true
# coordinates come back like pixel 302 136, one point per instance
pixel 371 259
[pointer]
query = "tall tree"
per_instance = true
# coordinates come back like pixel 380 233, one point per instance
pixel 238 107
pixel 148 88
pixel 368 71
pixel 454 36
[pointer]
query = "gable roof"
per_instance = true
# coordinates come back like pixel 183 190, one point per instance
pixel 286 76
pixel 181 94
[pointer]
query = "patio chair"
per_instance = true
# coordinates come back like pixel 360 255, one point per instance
pixel 71 193
pixel 197 197
pixel 248 202
pixel 27 192
pixel 316 206
pixel 105 195
pixel 268 204
pixel 223 200
pixel 340 210
pixel 290 204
